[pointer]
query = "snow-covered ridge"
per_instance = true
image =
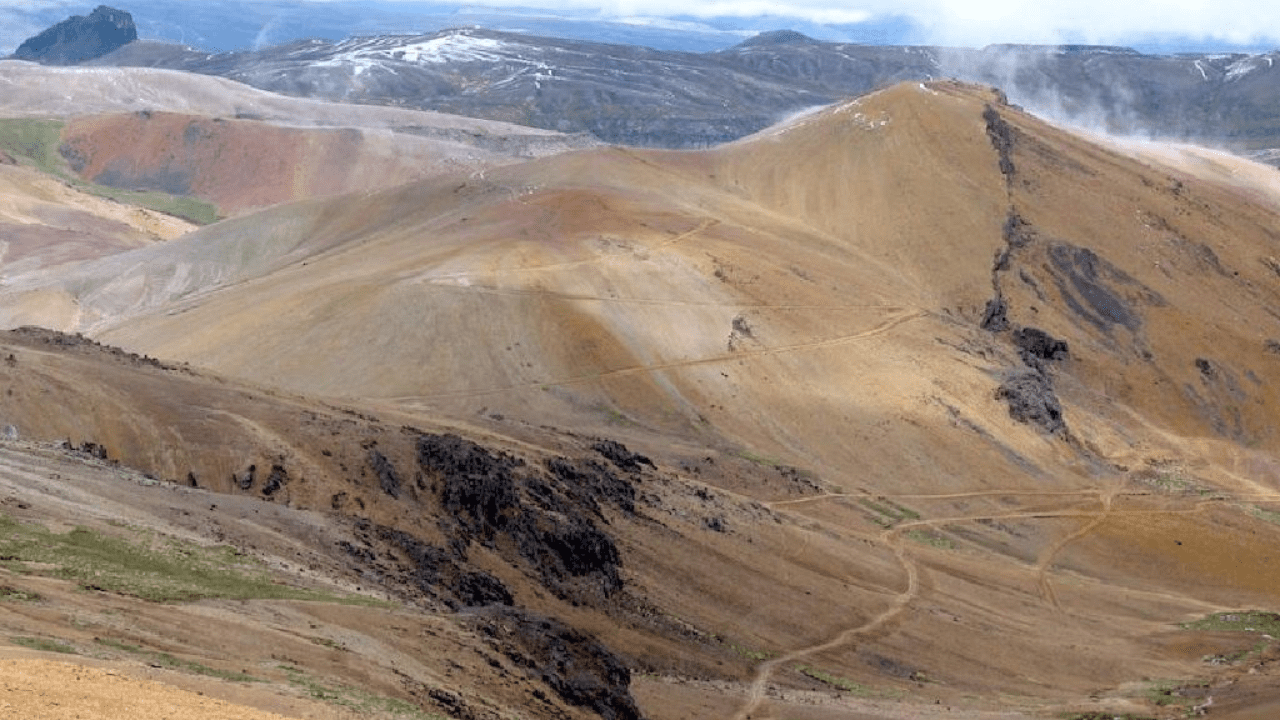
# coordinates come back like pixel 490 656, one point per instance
pixel 454 46
pixel 1248 64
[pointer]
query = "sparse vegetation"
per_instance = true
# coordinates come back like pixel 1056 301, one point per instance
pixel 364 703
pixel 886 513
pixel 45 644
pixel 931 539
pixel 35 140
pixel 756 458
pixel 844 684
pixel 1270 516
pixel 326 642
pixel 1096 715
pixel 160 571
pixel 38 142
pixel 757 655
pixel 1250 621
pixel 165 660
pixel 1229 659
pixel 614 416
pixel 1164 693
pixel 187 208
pixel 17 594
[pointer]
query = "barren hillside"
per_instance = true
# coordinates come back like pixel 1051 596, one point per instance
pixel 926 408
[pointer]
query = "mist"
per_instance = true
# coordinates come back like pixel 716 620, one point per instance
pixel 1113 91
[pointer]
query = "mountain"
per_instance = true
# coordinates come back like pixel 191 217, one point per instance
pixel 80 38
pixel 231 148
pixel 644 97
pixel 912 406
pixel 619 93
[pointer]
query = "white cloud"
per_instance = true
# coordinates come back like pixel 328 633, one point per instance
pixel 982 22
pixel 1096 21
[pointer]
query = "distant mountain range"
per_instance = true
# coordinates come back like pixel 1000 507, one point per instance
pixel 636 95
pixel 640 96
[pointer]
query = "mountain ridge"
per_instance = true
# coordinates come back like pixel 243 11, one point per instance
pixel 907 406
pixel 713 97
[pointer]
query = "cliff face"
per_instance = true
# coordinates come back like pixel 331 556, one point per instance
pixel 80 38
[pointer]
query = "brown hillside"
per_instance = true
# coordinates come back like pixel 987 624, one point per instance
pixel 241 165
pixel 43 222
pixel 953 413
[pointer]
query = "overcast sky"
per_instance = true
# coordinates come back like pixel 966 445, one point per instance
pixel 979 22
pixel 1183 24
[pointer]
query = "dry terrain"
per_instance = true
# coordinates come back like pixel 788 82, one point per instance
pixel 914 407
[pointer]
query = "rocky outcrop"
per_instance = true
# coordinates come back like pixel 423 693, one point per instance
pixel 550 519
pixel 1029 394
pixel 80 38
pixel 572 663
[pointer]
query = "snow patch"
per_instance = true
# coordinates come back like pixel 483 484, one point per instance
pixel 1240 68
pixel 458 46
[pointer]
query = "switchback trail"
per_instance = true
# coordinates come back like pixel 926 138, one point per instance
pixel 765 671
pixel 892 537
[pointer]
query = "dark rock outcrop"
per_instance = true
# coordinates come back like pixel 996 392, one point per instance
pixel 276 480
pixel 618 454
pixel 388 479
pixel 995 317
pixel 1031 399
pixel 590 482
pixel 477 589
pixel 80 38
pixel 572 663
pixel 1036 347
pixel 549 519
pixel 1001 136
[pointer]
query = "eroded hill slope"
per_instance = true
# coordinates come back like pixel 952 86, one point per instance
pixel 945 406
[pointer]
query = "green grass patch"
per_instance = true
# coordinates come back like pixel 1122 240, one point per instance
pixel 930 539
pixel 748 653
pixel 158 570
pixel 1270 516
pixel 188 208
pixel 1096 715
pixel 1165 693
pixel 1235 657
pixel 757 459
pixel 364 703
pixel 326 642
pixel 37 143
pixel 1250 621
pixel 886 513
pixel 45 644
pixel 836 681
pixel 118 645
pixel 17 594
pixel 165 660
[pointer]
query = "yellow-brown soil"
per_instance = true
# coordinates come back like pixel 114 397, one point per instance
pixel 845 520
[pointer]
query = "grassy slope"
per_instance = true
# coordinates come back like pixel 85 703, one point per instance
pixel 37 142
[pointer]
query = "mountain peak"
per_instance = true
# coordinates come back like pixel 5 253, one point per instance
pixel 80 38
pixel 777 37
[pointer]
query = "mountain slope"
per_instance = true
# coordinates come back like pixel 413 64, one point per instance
pixel 945 406
pixel 613 91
